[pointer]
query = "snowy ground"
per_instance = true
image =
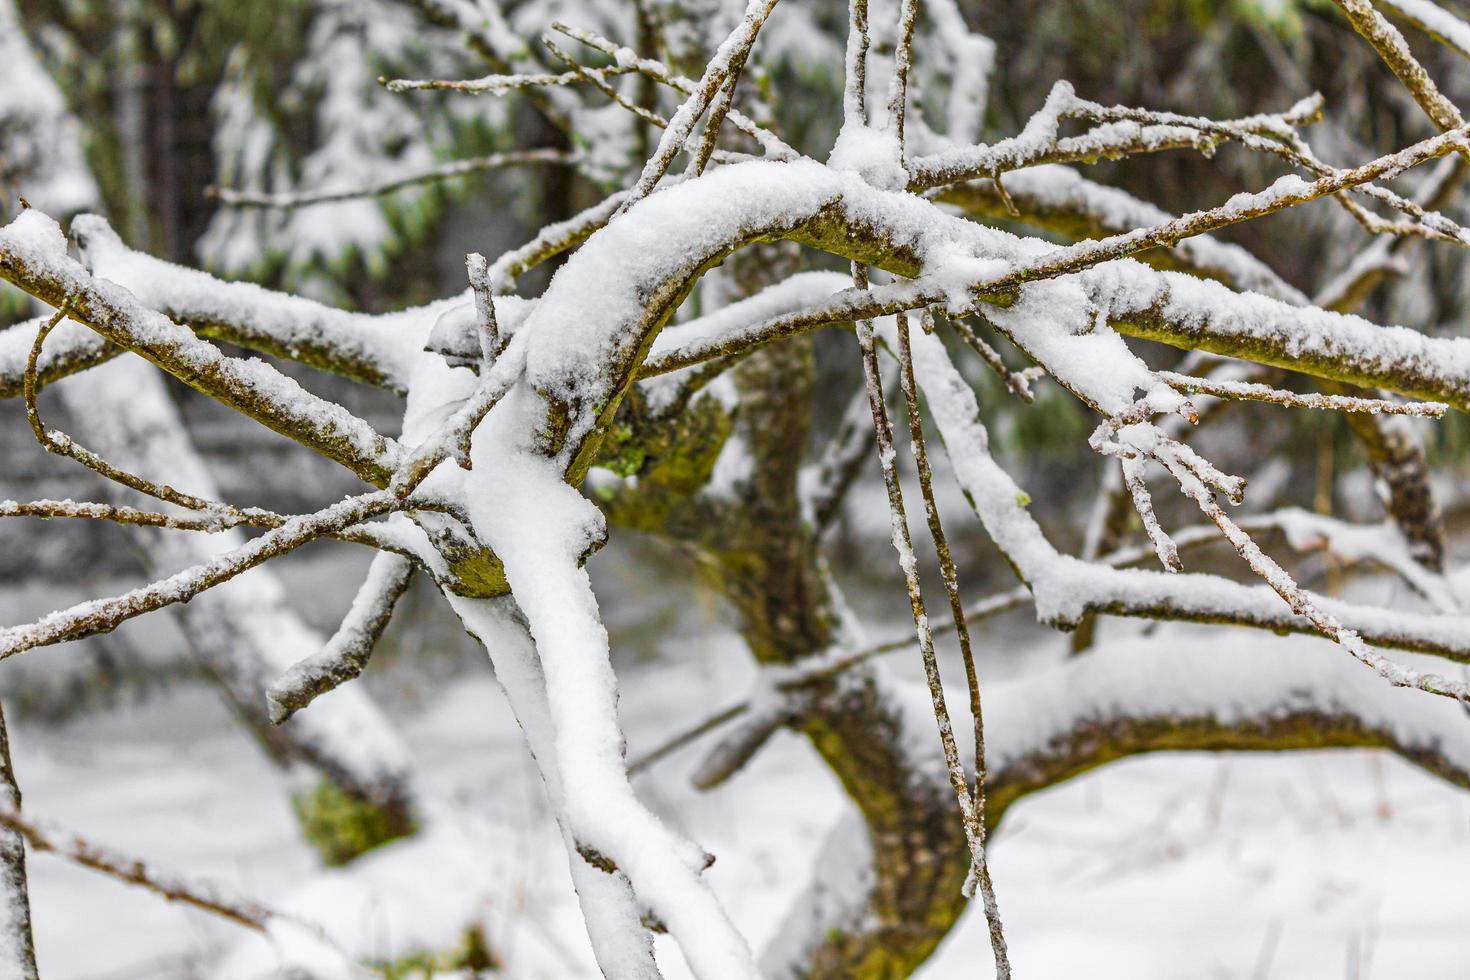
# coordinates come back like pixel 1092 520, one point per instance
pixel 1333 864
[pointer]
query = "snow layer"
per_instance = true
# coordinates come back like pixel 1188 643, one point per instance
pixel 1149 869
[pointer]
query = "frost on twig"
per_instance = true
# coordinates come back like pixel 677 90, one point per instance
pixel 1251 391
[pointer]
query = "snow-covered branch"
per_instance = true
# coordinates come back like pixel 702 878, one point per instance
pixel 33 257
pixel 347 652
pixel 698 419
pixel 17 949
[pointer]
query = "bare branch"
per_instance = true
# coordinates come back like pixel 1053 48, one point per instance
pixel 980 870
pixel 971 816
pixel 1017 383
pixel 133 871
pixel 87 510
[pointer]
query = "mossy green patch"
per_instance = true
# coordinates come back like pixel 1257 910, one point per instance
pixel 341 826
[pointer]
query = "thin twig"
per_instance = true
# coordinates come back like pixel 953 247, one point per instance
pixel 772 145
pixel 1252 391
pixel 17 946
pixel 723 67
pixel 502 84
pixel 855 75
pixel 898 96
pixel 1016 382
pixel 233 197
pixel 903 544
pixel 61 444
pixel 205 898
pixel 88 510
pixel 980 868
pixel 1275 576
pixel 604 87
pixel 688 737
pixel 102 615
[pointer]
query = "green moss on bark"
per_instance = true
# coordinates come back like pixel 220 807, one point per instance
pixel 340 826
pixel 470 957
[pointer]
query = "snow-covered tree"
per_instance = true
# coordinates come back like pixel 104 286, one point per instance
pixel 667 381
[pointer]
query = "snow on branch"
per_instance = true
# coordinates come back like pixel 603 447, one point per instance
pixel 33 257
pixel 376 350
pixel 173 888
pixel 1436 21
pixel 101 615
pixel 1394 50
pixel 347 652
pixel 17 948
pixel 1285 192
pixel 1040 142
pixel 499 454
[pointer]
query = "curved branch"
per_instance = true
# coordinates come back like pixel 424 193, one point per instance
pixel 347 652
pixel 1213 694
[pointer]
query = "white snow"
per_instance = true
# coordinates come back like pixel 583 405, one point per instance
pixel 1145 869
